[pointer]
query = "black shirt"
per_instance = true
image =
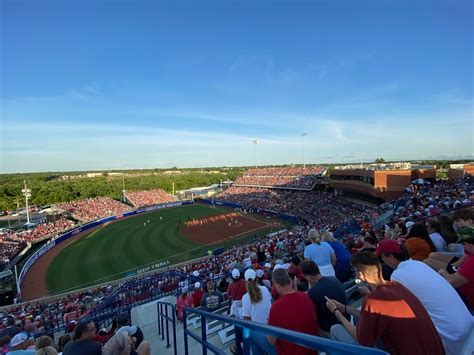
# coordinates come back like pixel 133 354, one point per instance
pixel 261 257
pixel 332 288
pixel 212 301
pixel 10 331
pixel 139 336
pixel 82 347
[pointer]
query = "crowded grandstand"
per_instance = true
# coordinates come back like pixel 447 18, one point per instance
pixel 419 255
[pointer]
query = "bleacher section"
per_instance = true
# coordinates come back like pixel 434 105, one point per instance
pixel 148 197
pixel 291 178
pixel 93 208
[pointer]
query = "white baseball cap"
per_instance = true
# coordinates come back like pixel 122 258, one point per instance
pixel 197 285
pixel 250 275
pixel 259 273
pixel 130 330
pixel 267 265
pixel 18 339
pixel 235 273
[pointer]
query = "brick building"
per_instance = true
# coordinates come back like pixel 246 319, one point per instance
pixel 379 184
pixel 456 171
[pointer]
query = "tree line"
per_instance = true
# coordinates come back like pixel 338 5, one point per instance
pixel 48 188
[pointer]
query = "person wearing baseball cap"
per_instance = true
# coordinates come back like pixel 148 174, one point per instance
pixel 197 294
pixel 390 313
pixel 463 278
pixel 235 291
pixel 19 345
pixel 448 312
pixel 184 300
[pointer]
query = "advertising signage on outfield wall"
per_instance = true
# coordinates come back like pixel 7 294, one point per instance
pixel 55 241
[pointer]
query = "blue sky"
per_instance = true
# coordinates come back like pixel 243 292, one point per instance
pixel 139 84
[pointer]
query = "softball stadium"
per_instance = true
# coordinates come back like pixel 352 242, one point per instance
pixel 130 246
pixel 151 260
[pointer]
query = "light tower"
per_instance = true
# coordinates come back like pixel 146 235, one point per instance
pixel 27 193
pixel 255 142
pixel 303 135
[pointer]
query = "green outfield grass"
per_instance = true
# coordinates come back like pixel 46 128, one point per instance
pixel 113 251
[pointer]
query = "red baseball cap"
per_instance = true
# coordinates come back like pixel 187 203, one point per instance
pixel 388 247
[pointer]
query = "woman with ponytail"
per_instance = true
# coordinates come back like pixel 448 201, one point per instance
pixel 321 253
pixel 256 304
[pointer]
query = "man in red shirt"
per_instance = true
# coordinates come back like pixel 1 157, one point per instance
pixel 184 300
pixel 197 295
pixel 390 313
pixel 463 278
pixel 294 311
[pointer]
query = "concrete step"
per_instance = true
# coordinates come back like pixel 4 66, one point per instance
pixel 159 346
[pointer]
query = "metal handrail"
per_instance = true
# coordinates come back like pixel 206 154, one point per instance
pixel 164 317
pixel 306 340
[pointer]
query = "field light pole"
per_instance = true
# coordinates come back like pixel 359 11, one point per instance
pixel 303 135
pixel 27 193
pixel 255 142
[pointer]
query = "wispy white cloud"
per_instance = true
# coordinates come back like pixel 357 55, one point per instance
pixel 78 130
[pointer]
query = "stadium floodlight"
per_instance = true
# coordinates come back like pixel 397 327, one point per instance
pixel 303 135
pixel 255 142
pixel 27 193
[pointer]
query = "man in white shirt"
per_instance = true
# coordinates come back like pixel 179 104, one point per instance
pixel 448 312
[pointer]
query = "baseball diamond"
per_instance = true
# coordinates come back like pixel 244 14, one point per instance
pixel 128 246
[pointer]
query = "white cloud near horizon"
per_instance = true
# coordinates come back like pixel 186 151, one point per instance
pixel 51 146
pixel 86 129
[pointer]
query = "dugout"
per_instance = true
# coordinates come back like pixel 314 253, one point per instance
pixel 7 287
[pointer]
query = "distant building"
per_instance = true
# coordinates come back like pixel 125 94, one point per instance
pixel 458 170
pixel 199 192
pixel 381 184
pixel 172 172
pixel 93 175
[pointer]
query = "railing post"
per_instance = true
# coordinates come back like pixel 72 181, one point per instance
pixel 158 318
pixel 246 340
pixel 173 309
pixel 185 331
pixel 162 325
pixel 167 327
pixel 203 334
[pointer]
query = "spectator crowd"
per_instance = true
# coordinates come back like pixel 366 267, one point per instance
pixel 149 197
pixel 296 279
pixel 318 208
pixel 94 208
pixel 294 177
pixel 13 242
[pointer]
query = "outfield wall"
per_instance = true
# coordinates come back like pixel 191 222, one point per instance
pixel 61 238
pixel 286 217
